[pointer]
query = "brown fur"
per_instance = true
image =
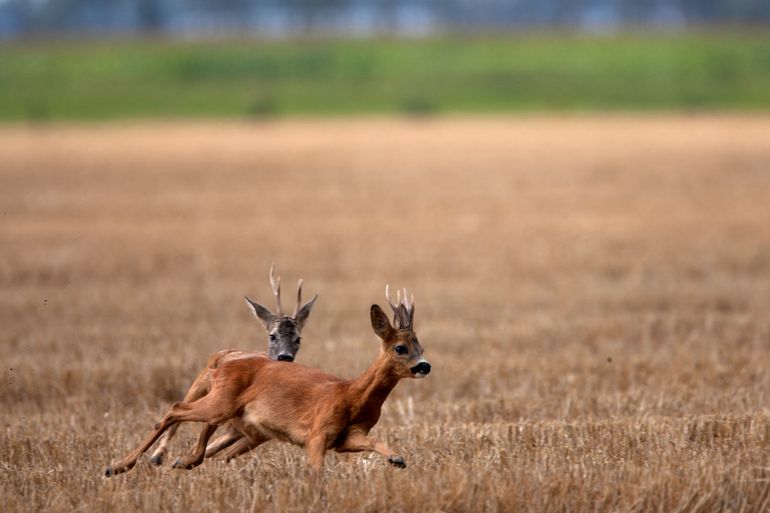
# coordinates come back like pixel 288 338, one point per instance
pixel 284 335
pixel 199 388
pixel 266 400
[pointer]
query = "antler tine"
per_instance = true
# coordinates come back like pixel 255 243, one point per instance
pixel 407 314
pixel 407 302
pixel 275 282
pixel 402 317
pixel 299 298
pixel 390 302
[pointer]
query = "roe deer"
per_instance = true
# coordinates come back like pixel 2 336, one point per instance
pixel 283 345
pixel 267 400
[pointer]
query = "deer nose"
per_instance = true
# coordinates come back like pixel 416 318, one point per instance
pixel 285 358
pixel 421 368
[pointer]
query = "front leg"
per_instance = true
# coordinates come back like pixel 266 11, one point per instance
pixel 356 441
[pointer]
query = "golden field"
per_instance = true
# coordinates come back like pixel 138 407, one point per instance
pixel 593 293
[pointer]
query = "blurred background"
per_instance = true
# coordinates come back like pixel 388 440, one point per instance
pixel 578 193
pixel 106 59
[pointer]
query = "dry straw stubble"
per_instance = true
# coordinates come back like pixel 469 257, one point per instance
pixel 592 293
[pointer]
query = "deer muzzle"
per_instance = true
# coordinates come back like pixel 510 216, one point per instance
pixel 421 370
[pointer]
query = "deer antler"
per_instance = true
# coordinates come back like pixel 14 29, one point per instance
pixel 275 282
pixel 403 310
pixel 409 310
pixel 392 306
pixel 408 303
pixel 299 298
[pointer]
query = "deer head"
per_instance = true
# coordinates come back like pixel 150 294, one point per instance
pixel 283 330
pixel 399 342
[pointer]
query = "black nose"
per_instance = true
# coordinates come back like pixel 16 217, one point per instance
pixel 421 368
pixel 285 358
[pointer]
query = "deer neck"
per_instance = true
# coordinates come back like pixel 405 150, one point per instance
pixel 369 390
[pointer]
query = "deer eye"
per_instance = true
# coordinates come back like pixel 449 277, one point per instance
pixel 299 339
pixel 273 337
pixel 401 349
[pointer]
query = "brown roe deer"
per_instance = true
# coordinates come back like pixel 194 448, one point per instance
pixel 268 400
pixel 283 345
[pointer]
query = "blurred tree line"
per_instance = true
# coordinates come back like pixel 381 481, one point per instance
pixel 19 18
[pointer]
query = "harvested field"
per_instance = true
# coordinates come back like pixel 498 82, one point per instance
pixel 593 293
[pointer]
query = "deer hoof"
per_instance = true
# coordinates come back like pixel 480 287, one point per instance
pixel 109 471
pixel 157 459
pixel 397 461
pixel 184 465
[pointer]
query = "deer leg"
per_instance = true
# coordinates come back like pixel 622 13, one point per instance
pixel 209 409
pixel 316 450
pixel 244 439
pixel 241 446
pixel 358 442
pixel 198 389
pixel 160 452
pixel 129 461
pixel 195 456
pixel 223 442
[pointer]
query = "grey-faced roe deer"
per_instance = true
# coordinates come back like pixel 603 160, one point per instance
pixel 283 345
pixel 268 400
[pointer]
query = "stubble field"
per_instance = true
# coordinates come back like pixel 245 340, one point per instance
pixel 593 294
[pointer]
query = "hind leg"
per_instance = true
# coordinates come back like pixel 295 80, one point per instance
pixel 243 445
pixel 223 442
pixel 210 409
pixel 127 463
pixel 198 389
pixel 246 440
pixel 196 455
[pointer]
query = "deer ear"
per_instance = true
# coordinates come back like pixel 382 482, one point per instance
pixel 260 312
pixel 381 323
pixel 304 312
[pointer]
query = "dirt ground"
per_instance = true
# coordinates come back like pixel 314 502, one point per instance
pixel 593 293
